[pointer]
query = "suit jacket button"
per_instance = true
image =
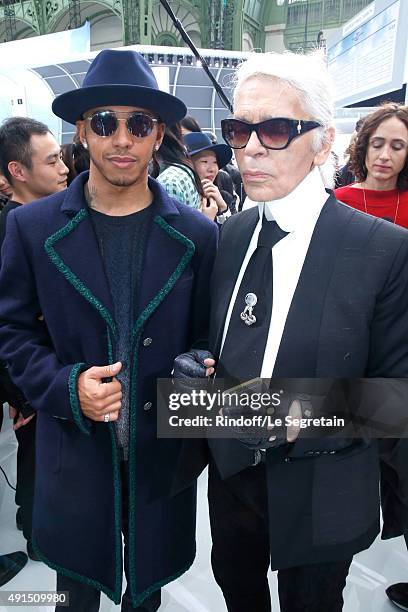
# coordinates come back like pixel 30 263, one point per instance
pixel 147 406
pixel 287 459
pixel 147 341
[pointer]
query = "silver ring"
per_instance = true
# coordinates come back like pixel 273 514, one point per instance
pixel 106 417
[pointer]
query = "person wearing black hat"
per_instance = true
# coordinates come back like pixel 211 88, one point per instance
pixel 208 159
pixel 120 272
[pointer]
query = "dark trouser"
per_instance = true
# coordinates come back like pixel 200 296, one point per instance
pixel 394 487
pixel 241 554
pixel 26 474
pixel 83 598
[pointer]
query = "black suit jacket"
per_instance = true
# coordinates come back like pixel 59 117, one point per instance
pixel 348 318
pixel 9 205
pixel 8 391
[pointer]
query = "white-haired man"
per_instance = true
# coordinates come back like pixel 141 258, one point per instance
pixel 303 287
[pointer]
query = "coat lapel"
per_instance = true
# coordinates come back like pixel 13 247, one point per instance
pixel 75 253
pixel 233 246
pixel 299 347
pixel 168 253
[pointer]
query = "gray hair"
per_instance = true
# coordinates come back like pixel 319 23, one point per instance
pixel 308 75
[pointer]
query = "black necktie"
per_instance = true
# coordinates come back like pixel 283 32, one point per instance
pixel 244 347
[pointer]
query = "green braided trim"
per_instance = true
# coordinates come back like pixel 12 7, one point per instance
pixel 110 347
pixel 136 333
pixel 117 493
pixel 158 585
pixel 159 297
pixel 69 274
pixel 73 399
pixel 115 596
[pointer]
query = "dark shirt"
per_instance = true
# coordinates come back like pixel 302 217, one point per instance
pixel 122 243
pixel 226 187
pixel 3 201
pixel 344 177
pixel 6 386
pixel 238 184
pixel 3 218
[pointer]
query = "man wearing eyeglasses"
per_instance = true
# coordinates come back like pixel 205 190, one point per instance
pixel 119 272
pixel 303 287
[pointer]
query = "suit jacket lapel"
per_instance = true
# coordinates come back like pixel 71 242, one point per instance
pixel 299 347
pixel 233 246
pixel 168 253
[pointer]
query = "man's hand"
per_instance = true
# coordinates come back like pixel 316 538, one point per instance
pixel 21 421
pixel 191 370
pixel 295 412
pixel 197 363
pixel 256 435
pixel 292 431
pixel 98 398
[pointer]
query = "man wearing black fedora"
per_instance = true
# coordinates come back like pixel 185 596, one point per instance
pixel 119 273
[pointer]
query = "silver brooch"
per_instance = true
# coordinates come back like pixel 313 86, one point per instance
pixel 247 315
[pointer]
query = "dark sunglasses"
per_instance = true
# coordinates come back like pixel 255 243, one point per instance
pixel 105 123
pixel 276 133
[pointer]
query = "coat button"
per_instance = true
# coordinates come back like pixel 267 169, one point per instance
pixel 287 459
pixel 147 406
pixel 147 341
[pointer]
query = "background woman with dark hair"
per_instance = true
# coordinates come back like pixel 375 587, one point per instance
pixel 189 124
pixel 5 191
pixel 67 156
pixel 379 160
pixel 75 157
pixel 174 169
pixel 80 156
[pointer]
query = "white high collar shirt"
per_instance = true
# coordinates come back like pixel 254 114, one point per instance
pixel 297 214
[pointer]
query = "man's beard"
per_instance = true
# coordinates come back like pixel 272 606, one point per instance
pixel 120 181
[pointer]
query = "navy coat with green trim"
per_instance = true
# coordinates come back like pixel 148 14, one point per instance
pixel 52 268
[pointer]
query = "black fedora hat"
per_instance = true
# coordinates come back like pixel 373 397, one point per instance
pixel 119 78
pixel 196 142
